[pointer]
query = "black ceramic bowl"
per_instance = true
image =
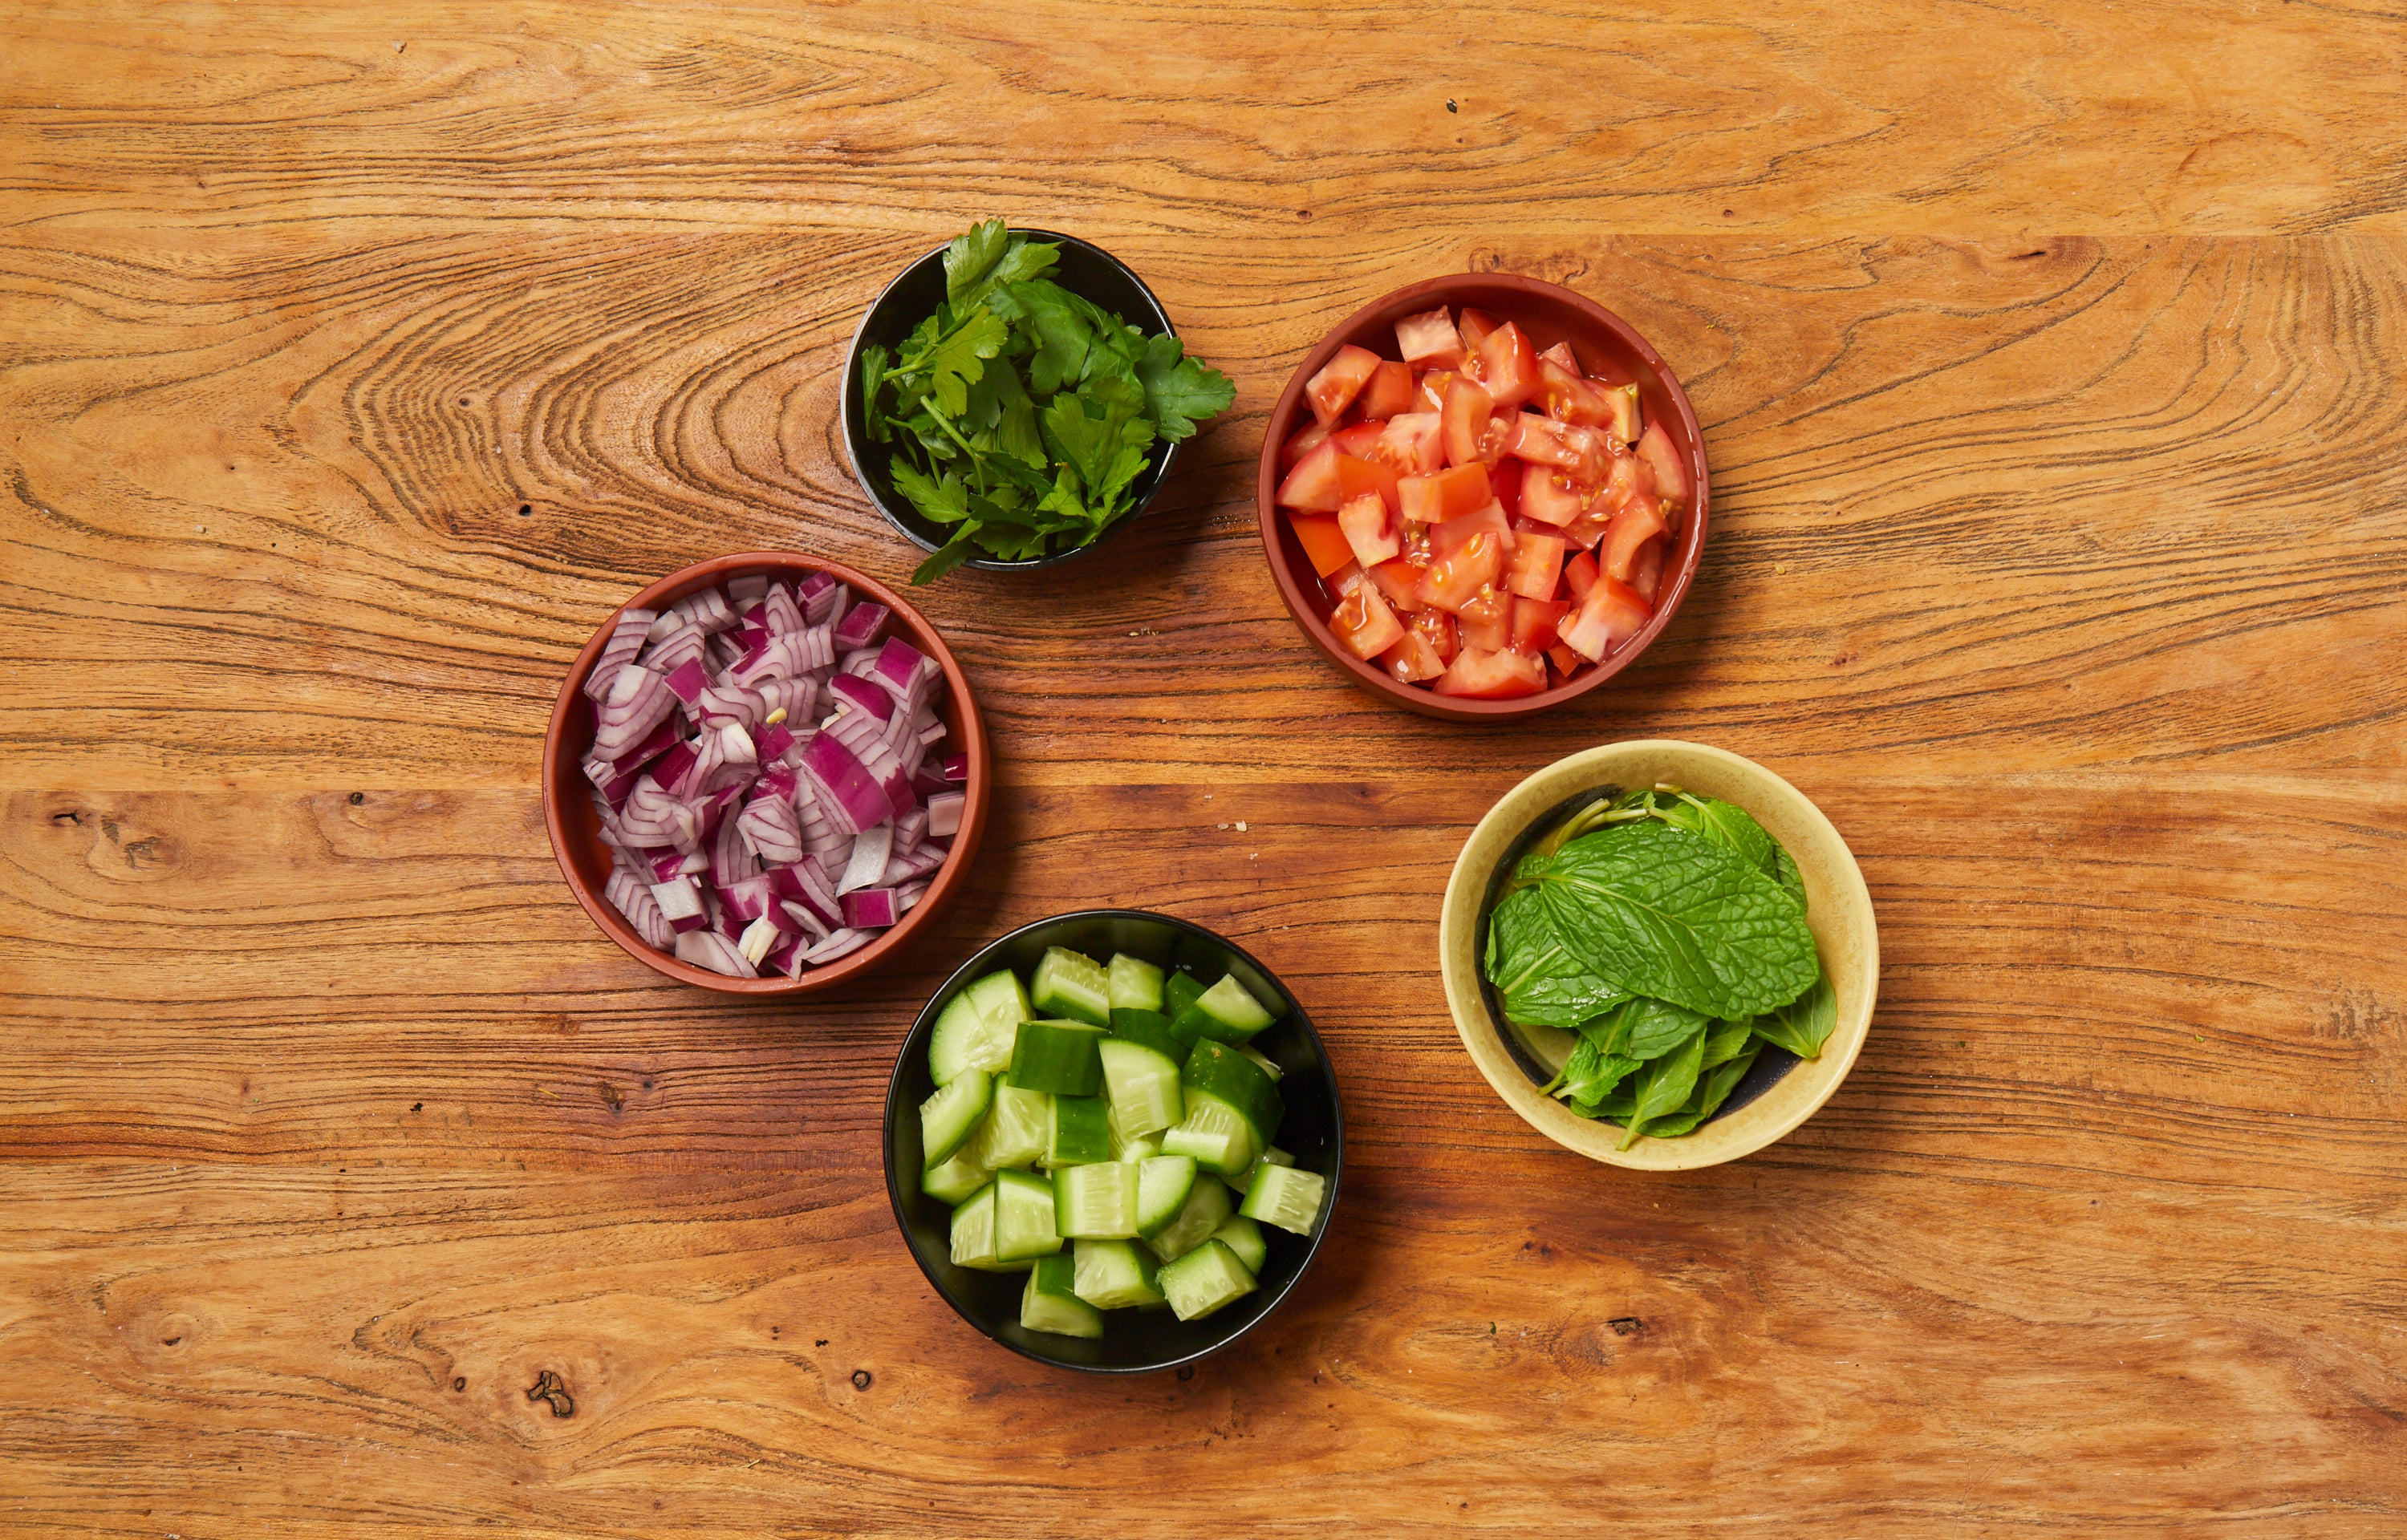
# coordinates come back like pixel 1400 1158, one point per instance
pixel 1086 271
pixel 1133 1341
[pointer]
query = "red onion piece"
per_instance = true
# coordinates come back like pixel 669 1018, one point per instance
pixel 706 609
pixel 786 956
pixel 626 640
pixel 870 908
pixel 747 900
pixel 908 895
pixel 632 899
pixel 680 902
pixel 688 681
pixel 816 594
pixel 666 863
pixel 871 849
pixel 864 694
pixel 926 782
pixel 653 817
pixel 945 813
pixel 773 829
pixel 638 701
pixel 861 625
pixel 710 949
pixel 746 591
pixel 956 768
pixel 730 855
pixel 779 612
pixel 758 937
pixel 805 886
pixel 851 798
pixel 795 697
pixel 776 782
pixel 837 945
pixel 910 829
pixel 772 744
pixel 670 653
pixel 898 664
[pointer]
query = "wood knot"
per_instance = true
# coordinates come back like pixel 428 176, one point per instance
pixel 548 1386
pixel 1186 1371
pixel 861 1379
pixel 1624 1325
pixel 612 1097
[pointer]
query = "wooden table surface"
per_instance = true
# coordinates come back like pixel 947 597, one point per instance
pixel 353 366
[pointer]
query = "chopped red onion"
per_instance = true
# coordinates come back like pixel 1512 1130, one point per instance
pixel 746 591
pixel 721 703
pixel 932 735
pixel 730 855
pixel 870 908
pixel 805 886
pixel 786 956
pixel 747 900
pixel 632 899
pixel 638 701
pixel 672 767
pixel 681 901
pixel 945 814
pixel 653 817
pixel 707 608
pixel 910 829
pixel 795 697
pixel 870 847
pixel 805 922
pixel 926 782
pixel 685 644
pixel 665 863
pixel 898 664
pixel 908 895
pixel 836 944
pixel 861 625
pixel 773 743
pixel 710 949
pixel 815 594
pixel 756 940
pixel 904 865
pixel 626 640
pixel 775 783
pixel 779 612
pixel 773 829
pixel 850 797
pixel 956 768
pixel 861 692
pixel 735 745
pixel 688 681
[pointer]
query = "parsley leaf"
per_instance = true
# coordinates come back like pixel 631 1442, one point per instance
pixel 1179 391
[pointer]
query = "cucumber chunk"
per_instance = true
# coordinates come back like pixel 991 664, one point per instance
pixel 949 1118
pixel 1023 1217
pixel 955 1180
pixel 973 1235
pixel 1208 1207
pixel 1162 1185
pixel 1224 1012
pixel 1270 1066
pixel 1216 1135
pixel 975 1028
pixel 1072 984
pixel 1112 1275
pixel 1096 1202
pixel 1244 1180
pixel 1285 1197
pixel 1244 1237
pixel 1013 1131
pixel 1135 984
pixel 1057 1057
pixel 1178 992
pixel 1217 1069
pixel 1204 1279
pixel 1050 1303
pixel 1134 1147
pixel 1142 1085
pixel 1079 1132
pixel 1150 1029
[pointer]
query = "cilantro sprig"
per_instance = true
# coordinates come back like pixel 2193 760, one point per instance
pixel 1021 414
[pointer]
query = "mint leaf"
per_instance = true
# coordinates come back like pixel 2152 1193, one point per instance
pixel 1648 1029
pixel 1805 1024
pixel 1180 391
pixel 1732 826
pixel 1536 977
pixel 1785 872
pixel 1727 1040
pixel 1662 1086
pixel 1666 913
pixel 971 258
pixel 1712 1091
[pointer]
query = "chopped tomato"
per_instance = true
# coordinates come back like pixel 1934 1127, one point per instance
pixel 1508 366
pixel 1474 327
pixel 1670 478
pixel 1537 565
pixel 1491 675
pixel 1566 661
pixel 1357 438
pixel 1579 575
pixel 1456 576
pixel 1486 621
pixel 1534 621
pixel 1345 579
pixel 1589 528
pixel 1365 623
pixel 1389 391
pixel 1301 445
pixel 1367 477
pixel 1437 626
pixel 1312 485
pixel 1473 434
pixel 1449 494
pixel 1647 577
pixel 1433 384
pixel 1399 580
pixel 1452 534
pixel 1412 660
pixel 1324 543
pixel 1340 380
pixel 1627 478
pixel 1563 358
pixel 1623 399
pixel 1568 396
pixel 1413 442
pixel 1370 532
pixel 1547 494
pixel 1633 527
pixel 1429 340
pixel 1504 481
pixel 1612 614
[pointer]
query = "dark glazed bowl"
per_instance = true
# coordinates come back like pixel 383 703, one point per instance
pixel 1549 312
pixel 1086 271
pixel 1133 1341
pixel 575 830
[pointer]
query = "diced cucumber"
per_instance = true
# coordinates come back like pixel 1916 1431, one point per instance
pixel 1270 1066
pixel 1079 1132
pixel 1143 1086
pixel 1050 1303
pixel 1224 1012
pixel 1204 1279
pixel 1112 1275
pixel 975 1028
pixel 1072 984
pixel 955 1180
pixel 1208 1207
pixel 1244 1180
pixel 1150 1029
pixel 1162 1185
pixel 1215 1133
pixel 1013 1131
pixel 1285 1197
pixel 1023 1217
pixel 1244 1237
pixel 1096 1202
pixel 1214 1069
pixel 1134 1147
pixel 974 1234
pixel 1057 1057
pixel 1135 984
pixel 1178 992
pixel 949 1118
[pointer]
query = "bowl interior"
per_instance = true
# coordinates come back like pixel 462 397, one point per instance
pixel 576 829
pixel 1604 345
pixel 1133 1340
pixel 1085 270
pixel 1781 1091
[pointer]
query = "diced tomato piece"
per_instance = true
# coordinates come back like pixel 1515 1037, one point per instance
pixel 1612 614
pixel 1534 621
pixel 1301 445
pixel 1566 661
pixel 1508 366
pixel 1627 478
pixel 1568 396
pixel 1537 565
pixel 1389 391
pixel 1633 527
pixel 1456 576
pixel 1324 543
pixel 1412 660
pixel 1449 494
pixel 1455 532
pixel 1312 485
pixel 1579 453
pixel 1671 476
pixel 1365 623
pixel 1413 442
pixel 1357 438
pixel 1579 575
pixel 1623 399
pixel 1365 478
pixel 1399 580
pixel 1345 579
pixel 1370 532
pixel 1585 531
pixel 1505 483
pixel 1429 340
pixel 1491 675
pixel 1562 357
pixel 1647 577
pixel 1486 621
pixel 1340 380
pixel 1474 436
pixel 1437 627
pixel 1474 327
pixel 1433 390
pixel 1547 494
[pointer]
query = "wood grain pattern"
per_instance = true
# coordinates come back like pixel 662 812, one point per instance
pixel 2048 359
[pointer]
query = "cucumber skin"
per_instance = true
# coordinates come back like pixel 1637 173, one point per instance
pixel 1055 1275
pixel 970 1020
pixel 1208 1208
pixel 1244 1237
pixel 1080 1131
pixel 1215 1015
pixel 1222 1071
pixel 1148 1082
pixel 954 1180
pixel 1013 1117
pixel 1151 1029
pixel 1169 1209
pixel 1058 986
pixel 943 1130
pixel 1230 1155
pixel 1118 1274
pixel 1178 992
pixel 1058 1057
pixel 1055 1312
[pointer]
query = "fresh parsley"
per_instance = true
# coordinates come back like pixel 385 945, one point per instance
pixel 1020 415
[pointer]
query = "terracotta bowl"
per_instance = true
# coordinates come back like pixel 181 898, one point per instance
pixel 575 831
pixel 1549 312
pixel 1781 1091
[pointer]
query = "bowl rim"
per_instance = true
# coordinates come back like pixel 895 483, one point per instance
pixel 1457 708
pixel 941 889
pixel 1466 893
pixel 877 497
pixel 976 961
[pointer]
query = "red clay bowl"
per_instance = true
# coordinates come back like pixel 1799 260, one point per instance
pixel 1549 312
pixel 577 833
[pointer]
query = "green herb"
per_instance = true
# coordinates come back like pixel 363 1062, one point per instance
pixel 1020 415
pixel 1804 1024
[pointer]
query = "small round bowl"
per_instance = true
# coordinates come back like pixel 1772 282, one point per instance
pixel 575 830
pixel 1781 1091
pixel 1085 270
pixel 1549 314
pixel 1133 1341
